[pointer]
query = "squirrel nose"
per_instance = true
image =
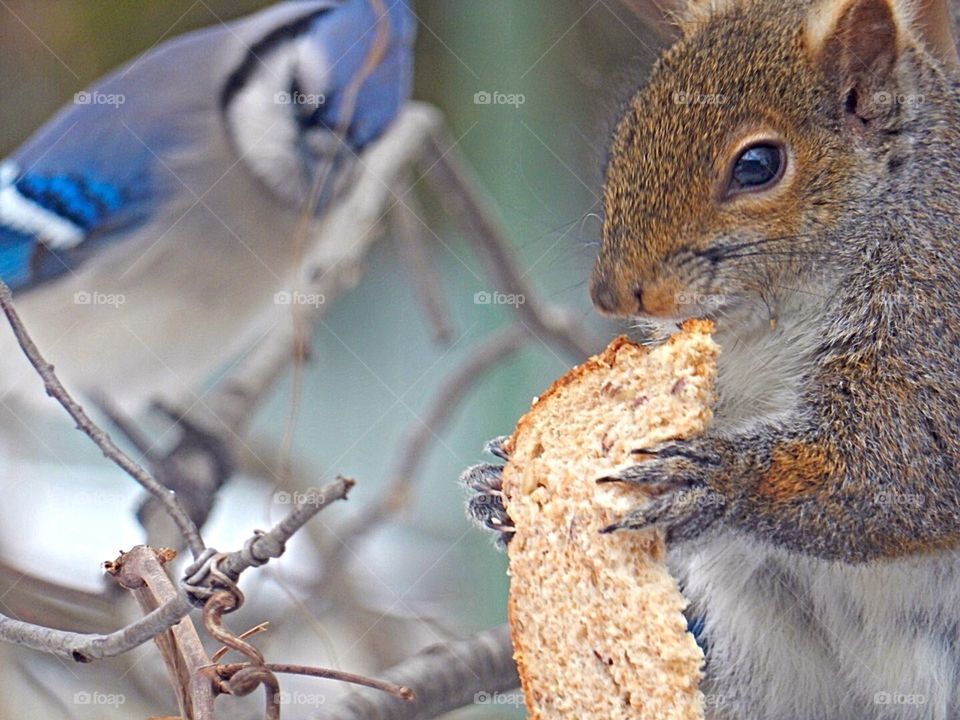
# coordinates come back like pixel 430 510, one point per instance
pixel 608 301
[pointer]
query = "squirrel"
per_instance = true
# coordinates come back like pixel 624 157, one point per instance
pixel 791 170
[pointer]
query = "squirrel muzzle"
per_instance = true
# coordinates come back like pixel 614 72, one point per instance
pixel 615 296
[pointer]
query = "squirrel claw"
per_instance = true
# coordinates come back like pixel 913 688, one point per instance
pixel 682 514
pixel 485 504
pixel 495 447
pixel 677 449
pixel 655 475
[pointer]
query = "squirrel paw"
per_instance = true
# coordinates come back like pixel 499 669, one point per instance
pixel 485 505
pixel 678 476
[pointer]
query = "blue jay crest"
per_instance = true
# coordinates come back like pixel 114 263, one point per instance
pixel 263 95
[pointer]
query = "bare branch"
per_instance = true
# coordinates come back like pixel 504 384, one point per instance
pixel 445 677
pixel 454 180
pixel 416 251
pixel 58 392
pixel 398 691
pixel 87 647
pixel 331 264
pixel 494 350
pixel 52 604
pixel 261 547
pixel 141 571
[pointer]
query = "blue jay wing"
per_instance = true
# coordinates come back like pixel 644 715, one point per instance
pixel 49 222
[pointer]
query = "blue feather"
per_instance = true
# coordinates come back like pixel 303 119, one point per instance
pixel 16 249
pixel 98 169
pixel 383 93
pixel 82 200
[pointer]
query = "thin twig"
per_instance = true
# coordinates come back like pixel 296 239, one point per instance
pixel 58 392
pixel 416 253
pixel 264 546
pixel 397 691
pixel 494 350
pixel 454 180
pixel 445 677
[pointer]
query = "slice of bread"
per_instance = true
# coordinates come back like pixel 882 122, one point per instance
pixel 598 625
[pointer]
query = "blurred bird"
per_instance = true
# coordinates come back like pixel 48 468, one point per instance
pixel 147 228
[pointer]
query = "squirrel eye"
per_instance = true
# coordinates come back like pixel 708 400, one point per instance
pixel 757 168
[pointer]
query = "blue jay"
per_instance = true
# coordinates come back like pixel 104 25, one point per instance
pixel 146 229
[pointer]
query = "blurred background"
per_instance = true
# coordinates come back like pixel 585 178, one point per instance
pixel 427 575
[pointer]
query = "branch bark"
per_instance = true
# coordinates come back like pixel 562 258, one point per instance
pixel 141 572
pixel 445 677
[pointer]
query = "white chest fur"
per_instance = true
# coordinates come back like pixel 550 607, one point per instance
pixel 795 638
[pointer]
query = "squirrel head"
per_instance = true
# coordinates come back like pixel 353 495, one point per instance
pixel 757 136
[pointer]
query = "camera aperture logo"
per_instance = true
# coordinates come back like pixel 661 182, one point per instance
pixel 909 99
pixel 87 297
pixel 687 97
pixel 514 100
pixel 498 298
pixel 95 97
pixel 299 298
pixel 704 300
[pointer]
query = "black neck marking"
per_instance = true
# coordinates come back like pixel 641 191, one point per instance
pixel 258 52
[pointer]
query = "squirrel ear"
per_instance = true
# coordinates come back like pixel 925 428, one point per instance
pixel 862 39
pixel 857 41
